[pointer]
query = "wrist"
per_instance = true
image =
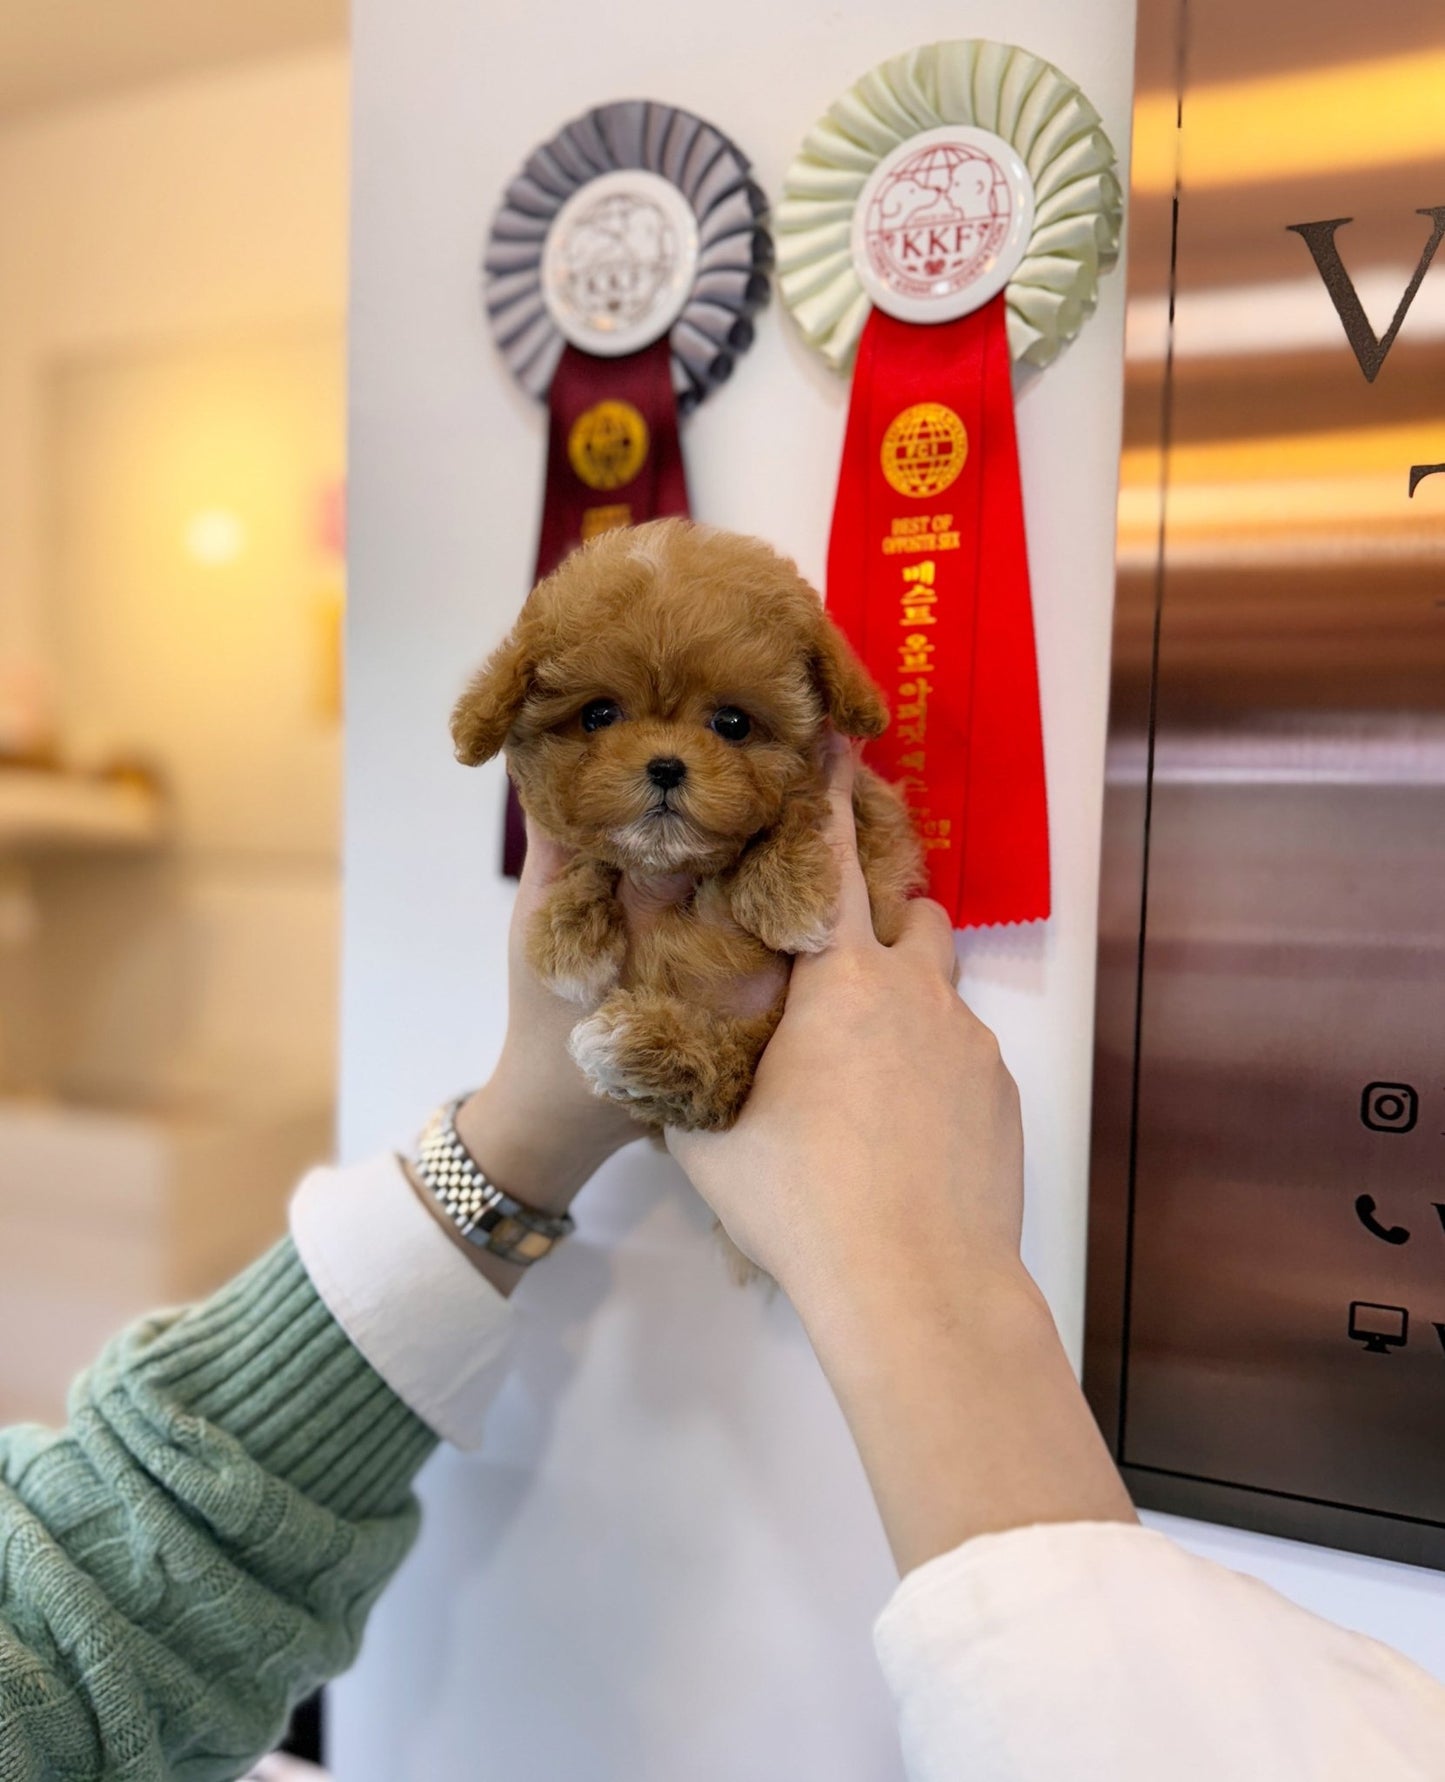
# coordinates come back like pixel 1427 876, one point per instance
pixel 525 1153
pixel 859 1289
pixel 912 1307
pixel 503 1275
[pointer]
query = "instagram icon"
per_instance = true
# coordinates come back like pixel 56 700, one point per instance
pixel 1389 1107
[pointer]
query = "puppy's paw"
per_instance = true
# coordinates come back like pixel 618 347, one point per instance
pixel 581 977
pixel 578 939
pixel 796 918
pixel 668 1063
pixel 603 1052
pixel 786 891
pixel 624 1066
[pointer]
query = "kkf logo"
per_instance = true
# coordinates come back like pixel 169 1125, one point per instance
pixel 935 224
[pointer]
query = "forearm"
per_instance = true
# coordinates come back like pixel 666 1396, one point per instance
pixel 961 1399
pixel 199 1548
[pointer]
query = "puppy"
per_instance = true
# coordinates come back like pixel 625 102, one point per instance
pixel 663 702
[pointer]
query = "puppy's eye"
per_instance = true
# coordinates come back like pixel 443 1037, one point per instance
pixel 731 724
pixel 597 714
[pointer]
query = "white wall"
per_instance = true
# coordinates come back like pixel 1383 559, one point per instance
pixel 666 1563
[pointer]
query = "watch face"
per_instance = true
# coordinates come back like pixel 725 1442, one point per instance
pixel 942 224
pixel 619 262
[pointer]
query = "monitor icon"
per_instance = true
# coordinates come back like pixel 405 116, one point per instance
pixel 1379 1328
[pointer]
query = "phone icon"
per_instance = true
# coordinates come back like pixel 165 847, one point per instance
pixel 1388 1234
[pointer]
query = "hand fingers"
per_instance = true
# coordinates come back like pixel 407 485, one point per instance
pixel 854 925
pixel 927 934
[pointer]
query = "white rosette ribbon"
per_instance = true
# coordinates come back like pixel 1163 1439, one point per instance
pixel 1078 201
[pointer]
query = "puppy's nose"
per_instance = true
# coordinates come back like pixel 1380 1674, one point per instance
pixel 666 771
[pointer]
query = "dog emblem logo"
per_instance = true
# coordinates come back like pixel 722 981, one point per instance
pixel 619 261
pixel 619 257
pixel 936 221
pixel 608 444
pixel 942 223
pixel 924 450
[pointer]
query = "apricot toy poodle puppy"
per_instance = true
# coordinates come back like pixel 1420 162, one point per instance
pixel 663 702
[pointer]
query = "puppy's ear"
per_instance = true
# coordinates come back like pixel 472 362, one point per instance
pixel 487 710
pixel 849 696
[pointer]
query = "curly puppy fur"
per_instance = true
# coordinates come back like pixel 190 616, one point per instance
pixel 663 627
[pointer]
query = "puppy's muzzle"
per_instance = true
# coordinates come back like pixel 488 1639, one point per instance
pixel 666 771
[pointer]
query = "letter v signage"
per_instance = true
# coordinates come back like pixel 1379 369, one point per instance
pixel 1371 351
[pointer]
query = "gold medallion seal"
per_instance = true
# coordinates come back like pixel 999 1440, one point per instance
pixel 608 444
pixel 924 450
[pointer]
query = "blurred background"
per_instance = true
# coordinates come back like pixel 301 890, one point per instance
pixel 173 213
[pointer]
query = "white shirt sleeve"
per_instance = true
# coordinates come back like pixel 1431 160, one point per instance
pixel 435 1329
pixel 1104 1652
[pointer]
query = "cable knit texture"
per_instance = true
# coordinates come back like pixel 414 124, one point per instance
pixel 199 1548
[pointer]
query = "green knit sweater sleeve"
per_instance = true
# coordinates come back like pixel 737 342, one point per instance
pixel 199 1547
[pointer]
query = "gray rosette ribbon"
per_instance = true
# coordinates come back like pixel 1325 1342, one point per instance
pixel 1035 109
pixel 624 266
pixel 733 247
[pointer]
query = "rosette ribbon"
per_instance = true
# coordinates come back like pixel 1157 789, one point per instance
pixel 622 271
pixel 950 214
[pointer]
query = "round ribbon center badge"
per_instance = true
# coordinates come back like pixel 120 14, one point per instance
pixel 607 445
pixel 619 262
pixel 942 223
pixel 924 450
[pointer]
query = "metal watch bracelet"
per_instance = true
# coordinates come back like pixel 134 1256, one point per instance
pixel 485 1215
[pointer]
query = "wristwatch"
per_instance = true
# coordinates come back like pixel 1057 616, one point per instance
pixel 485 1215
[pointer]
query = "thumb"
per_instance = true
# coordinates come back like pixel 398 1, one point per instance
pixel 543 861
pixel 854 925
pixel 545 858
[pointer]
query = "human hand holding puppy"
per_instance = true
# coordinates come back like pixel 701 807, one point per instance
pixel 876 1172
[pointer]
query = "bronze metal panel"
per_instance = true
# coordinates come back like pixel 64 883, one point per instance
pixel 1266 1330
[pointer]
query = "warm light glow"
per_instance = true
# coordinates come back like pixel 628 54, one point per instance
pixel 1282 504
pixel 1334 452
pixel 1276 316
pixel 1350 481
pixel 215 536
pixel 1345 118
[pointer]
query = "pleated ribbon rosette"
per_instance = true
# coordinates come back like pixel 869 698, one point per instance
pixel 950 215
pixel 622 271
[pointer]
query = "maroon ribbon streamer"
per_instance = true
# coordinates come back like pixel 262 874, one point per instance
pixel 603 471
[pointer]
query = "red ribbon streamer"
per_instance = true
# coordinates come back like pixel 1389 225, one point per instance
pixel 629 474
pixel 928 576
